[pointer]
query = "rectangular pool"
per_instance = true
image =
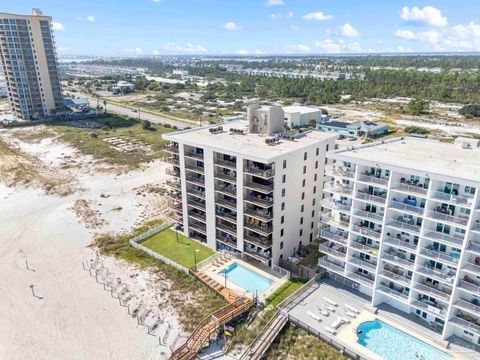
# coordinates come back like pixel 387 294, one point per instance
pixel 246 278
pixel 394 344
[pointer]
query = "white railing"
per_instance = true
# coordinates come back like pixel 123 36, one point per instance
pixel 404 226
pixel 441 195
pixel 373 179
pixel 449 218
pixel 406 207
pixel 367 232
pixel 411 188
pixel 397 242
pixel 333 237
pixel 378 199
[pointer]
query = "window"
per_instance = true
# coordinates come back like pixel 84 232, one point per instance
pixel 314 189
pixel 284 164
pixel 315 177
pixel 317 151
pixel 316 164
pixel 301 220
pixel 283 206
pixel 281 244
pixel 282 219
pixel 312 225
pixel 304 169
pixel 305 156
pixel 281 234
pixel 313 202
pixel 326 149
pixel 283 192
pixel 303 183
pixel 313 213
pixel 303 196
pixel 302 208
pixel 281 256
pixel 326 161
pixel 300 233
pixel 284 178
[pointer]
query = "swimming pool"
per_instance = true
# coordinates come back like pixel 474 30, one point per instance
pixel 246 278
pixel 393 344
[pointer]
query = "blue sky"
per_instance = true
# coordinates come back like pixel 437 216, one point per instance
pixel 150 27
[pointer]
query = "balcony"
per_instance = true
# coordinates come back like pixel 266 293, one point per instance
pixel 177 217
pixel 333 249
pixel 339 171
pixel 363 263
pixel 400 242
pixel 472 267
pixel 364 195
pixel 173 171
pixel 195 168
pixel 226 176
pixel 436 215
pixel 411 189
pixel 408 208
pixel 452 198
pixel 432 291
pixel 196 192
pixel 175 205
pixel 367 231
pixel 365 247
pixel 395 277
pixel 264 189
pixel 369 215
pixel 467 306
pixel 265 244
pixel 226 189
pixel 196 204
pixel 474 247
pixel 430 307
pixel 430 252
pixel 229 241
pixel 402 225
pixel 366 178
pixel 173 160
pixel 174 183
pixel 261 255
pixel 194 155
pixel 391 291
pixel 261 214
pixel 397 259
pixel 198 226
pixel 455 241
pixel 340 222
pixel 476 226
pixel 257 171
pixel 197 180
pixel 232 205
pixel 329 265
pixel 338 205
pixel 446 276
pixel 196 215
pixel 227 227
pixel 361 278
pixel 335 189
pixel 469 285
pixel 226 164
pixel 258 200
pixel 469 324
pixel 328 235
pixel 172 148
pixel 226 215
pixel 262 229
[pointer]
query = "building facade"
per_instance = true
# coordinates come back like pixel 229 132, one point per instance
pixel 256 194
pixel 367 129
pixel 28 57
pixel 297 116
pixel 401 220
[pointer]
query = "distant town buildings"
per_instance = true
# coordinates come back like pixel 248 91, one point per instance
pixel 180 72
pixel 123 87
pixel 369 129
pixel 28 57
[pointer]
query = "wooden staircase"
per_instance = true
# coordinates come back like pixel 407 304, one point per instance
pixel 211 324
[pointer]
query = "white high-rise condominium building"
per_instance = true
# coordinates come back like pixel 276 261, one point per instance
pixel 246 189
pixel 28 57
pixel 402 222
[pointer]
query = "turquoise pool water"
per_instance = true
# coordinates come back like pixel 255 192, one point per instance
pixel 246 278
pixel 394 344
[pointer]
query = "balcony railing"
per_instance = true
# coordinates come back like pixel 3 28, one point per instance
pixel 339 190
pixel 470 266
pixel 328 235
pixel 263 230
pixel 262 214
pixel 226 164
pixel 367 232
pixel 446 277
pixel 371 250
pixel 328 250
pixel 415 189
pixel 396 277
pixel 257 200
pixel 197 216
pixel 362 279
pixel 448 239
pixel 331 220
pixel 465 324
pixel 467 306
pixel 373 198
pixel 194 155
pixel 339 171
pixel 369 215
pixel 173 171
pixel 329 203
pixel 264 173
pixel 195 180
pixel 226 215
pixel 195 168
pixel 257 241
pixel 176 184
pixel 447 218
pixel 266 189
pixel 399 242
pixel 473 246
pixel 373 180
pixel 426 289
pixel 198 226
pixel 227 227
pixel 228 177
pixel 230 190
pixel 196 204
pixel 365 264
pixel 227 241
pixel 260 255
pixel 232 205
pixel 392 292
pixel 469 286
pixel 398 260
pixel 173 148
pixel 441 195
pixel 404 226
pixel 406 207
pixel 437 255
pixel 173 160
pixel 437 310
pixel 196 192
pixel 323 262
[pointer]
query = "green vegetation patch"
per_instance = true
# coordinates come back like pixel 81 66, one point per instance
pixel 182 251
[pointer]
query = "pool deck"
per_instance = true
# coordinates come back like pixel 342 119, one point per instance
pixel 215 273
pixel 346 334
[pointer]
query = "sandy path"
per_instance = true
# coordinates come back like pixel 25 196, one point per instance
pixel 76 319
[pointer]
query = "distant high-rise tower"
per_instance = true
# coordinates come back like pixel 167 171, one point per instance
pixel 27 52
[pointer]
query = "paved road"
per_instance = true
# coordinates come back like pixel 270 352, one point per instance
pixel 156 119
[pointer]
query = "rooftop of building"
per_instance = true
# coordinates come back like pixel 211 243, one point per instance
pixel 299 109
pixel 423 155
pixel 335 123
pixel 247 144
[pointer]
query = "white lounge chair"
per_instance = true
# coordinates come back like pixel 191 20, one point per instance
pixel 350 313
pixel 330 308
pixel 337 323
pixel 331 302
pixel 313 315
pixel 352 309
pixel 325 313
pixel 345 320
pixel 331 330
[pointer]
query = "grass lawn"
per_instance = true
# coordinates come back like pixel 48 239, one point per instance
pixel 182 252
pixel 90 141
pixel 285 291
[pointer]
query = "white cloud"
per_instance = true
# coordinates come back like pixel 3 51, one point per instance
pixel 90 18
pixel 63 48
pixel 427 16
pixel 320 16
pixel 57 26
pixel 349 31
pixel 294 28
pixel 298 48
pixel 247 52
pixel 155 52
pixel 259 52
pixel 403 49
pixel 243 52
pixel 133 50
pixel 231 26
pixel 338 46
pixel 405 34
pixel 189 48
pixel 290 14
pixel 274 16
pixel 274 2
